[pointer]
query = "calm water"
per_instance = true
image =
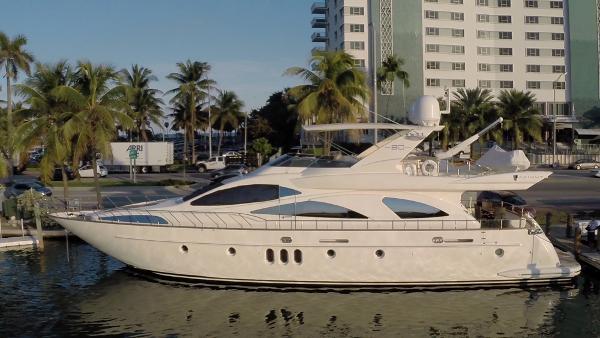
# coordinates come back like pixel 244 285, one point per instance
pixel 44 295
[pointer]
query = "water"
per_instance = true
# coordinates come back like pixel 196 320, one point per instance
pixel 44 295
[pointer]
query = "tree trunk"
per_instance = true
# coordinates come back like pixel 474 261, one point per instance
pixel 193 112
pixel 96 181
pixel 220 141
pixel 65 180
pixel 9 128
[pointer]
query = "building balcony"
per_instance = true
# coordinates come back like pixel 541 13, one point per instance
pixel 318 37
pixel 317 49
pixel 318 8
pixel 319 23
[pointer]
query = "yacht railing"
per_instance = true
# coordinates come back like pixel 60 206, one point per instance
pixel 233 220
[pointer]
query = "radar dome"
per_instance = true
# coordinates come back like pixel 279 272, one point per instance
pixel 425 112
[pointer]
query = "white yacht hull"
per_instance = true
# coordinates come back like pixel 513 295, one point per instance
pixel 410 257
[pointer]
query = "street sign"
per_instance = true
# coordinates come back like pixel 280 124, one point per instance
pixel 133 154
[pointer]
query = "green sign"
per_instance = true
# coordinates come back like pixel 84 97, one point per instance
pixel 133 154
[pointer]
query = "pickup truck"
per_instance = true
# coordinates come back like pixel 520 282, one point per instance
pixel 213 163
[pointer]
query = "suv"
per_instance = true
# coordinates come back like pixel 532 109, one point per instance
pixel 213 163
pixel 489 201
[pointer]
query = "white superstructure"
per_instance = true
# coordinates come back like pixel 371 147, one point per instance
pixel 387 217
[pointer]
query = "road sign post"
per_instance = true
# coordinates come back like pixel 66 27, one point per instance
pixel 133 155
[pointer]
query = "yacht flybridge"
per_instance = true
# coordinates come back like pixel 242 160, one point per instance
pixel 387 217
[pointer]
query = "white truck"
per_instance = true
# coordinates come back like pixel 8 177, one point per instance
pixel 151 156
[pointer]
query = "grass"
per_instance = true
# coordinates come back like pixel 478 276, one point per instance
pixel 122 183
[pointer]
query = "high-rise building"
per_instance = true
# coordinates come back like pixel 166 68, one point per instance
pixel 548 47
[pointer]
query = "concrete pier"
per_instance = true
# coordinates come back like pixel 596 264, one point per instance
pixel 587 255
pixel 14 242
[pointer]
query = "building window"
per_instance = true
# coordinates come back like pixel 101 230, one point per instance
pixel 503 3
pixel 431 14
pixel 558 52
pixel 532 19
pixel 507 68
pixel 357 45
pixel 458 49
pixel 558 36
pixel 485 83
pixel 412 209
pixel 433 82
pixel 504 51
pixel 432 31
pixel 504 19
pixel 458 66
pixel 483 2
pixel 505 35
pixel 436 1
pixel 432 48
pixel 456 16
pixel 456 2
pixel 458 83
pixel 531 3
pixel 311 209
pixel 557 20
pixel 245 194
pixel 556 4
pixel 532 35
pixel 533 68
pixel 359 63
pixel 433 65
pixel 559 85
pixel 356 28
pixel 458 33
pixel 484 67
pixel 533 52
pixel 533 85
pixel 483 18
pixel 483 50
pixel 506 84
pixel 483 34
pixel 558 69
pixel 357 11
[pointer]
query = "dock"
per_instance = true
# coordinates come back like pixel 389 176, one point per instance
pixel 15 242
pixel 588 256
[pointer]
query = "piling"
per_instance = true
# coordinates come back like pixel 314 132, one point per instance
pixel 569 228
pixel 38 225
pixel 577 242
pixel 548 220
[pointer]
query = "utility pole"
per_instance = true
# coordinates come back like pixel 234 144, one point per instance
pixel 374 70
pixel 209 125
pixel 245 133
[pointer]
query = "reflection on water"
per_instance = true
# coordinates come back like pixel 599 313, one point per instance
pixel 43 294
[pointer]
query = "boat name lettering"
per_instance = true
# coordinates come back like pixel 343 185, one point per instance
pixel 286 239
pixel 396 147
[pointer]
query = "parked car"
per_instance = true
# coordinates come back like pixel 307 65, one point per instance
pixel 88 171
pixel 213 163
pixel 232 154
pixel 234 169
pixel 596 172
pixel 16 188
pixel 489 201
pixel 587 163
pixel 57 175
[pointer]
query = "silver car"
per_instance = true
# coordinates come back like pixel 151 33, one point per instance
pixel 585 164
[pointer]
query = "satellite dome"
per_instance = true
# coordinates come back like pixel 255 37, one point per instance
pixel 425 112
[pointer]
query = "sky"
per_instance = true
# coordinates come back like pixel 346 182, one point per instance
pixel 248 43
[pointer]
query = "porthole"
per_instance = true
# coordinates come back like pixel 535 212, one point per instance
pixel 231 251
pixel 183 249
pixel 379 253
pixel 270 256
pixel 499 252
pixel 298 256
pixel 283 256
pixel 331 253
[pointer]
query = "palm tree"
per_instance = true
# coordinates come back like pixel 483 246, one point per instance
pixel 390 70
pixel 181 120
pixel 98 107
pixel 45 117
pixel 226 112
pixel 336 90
pixel 143 101
pixel 521 117
pixel 14 58
pixel 192 89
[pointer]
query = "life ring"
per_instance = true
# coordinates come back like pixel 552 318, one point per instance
pixel 429 168
pixel 410 169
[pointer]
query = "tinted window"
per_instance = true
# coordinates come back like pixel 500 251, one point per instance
pixel 310 209
pixel 207 188
pixel 411 209
pixel 245 194
pixel 135 219
pixel 515 200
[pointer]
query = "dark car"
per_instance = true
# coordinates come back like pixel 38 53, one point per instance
pixel 587 163
pixel 231 169
pixel 57 175
pixel 489 201
pixel 15 189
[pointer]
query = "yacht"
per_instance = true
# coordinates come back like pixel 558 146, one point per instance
pixel 386 217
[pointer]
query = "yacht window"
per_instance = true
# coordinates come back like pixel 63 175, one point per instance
pixel 206 188
pixel 411 209
pixel 147 219
pixel 245 194
pixel 310 209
